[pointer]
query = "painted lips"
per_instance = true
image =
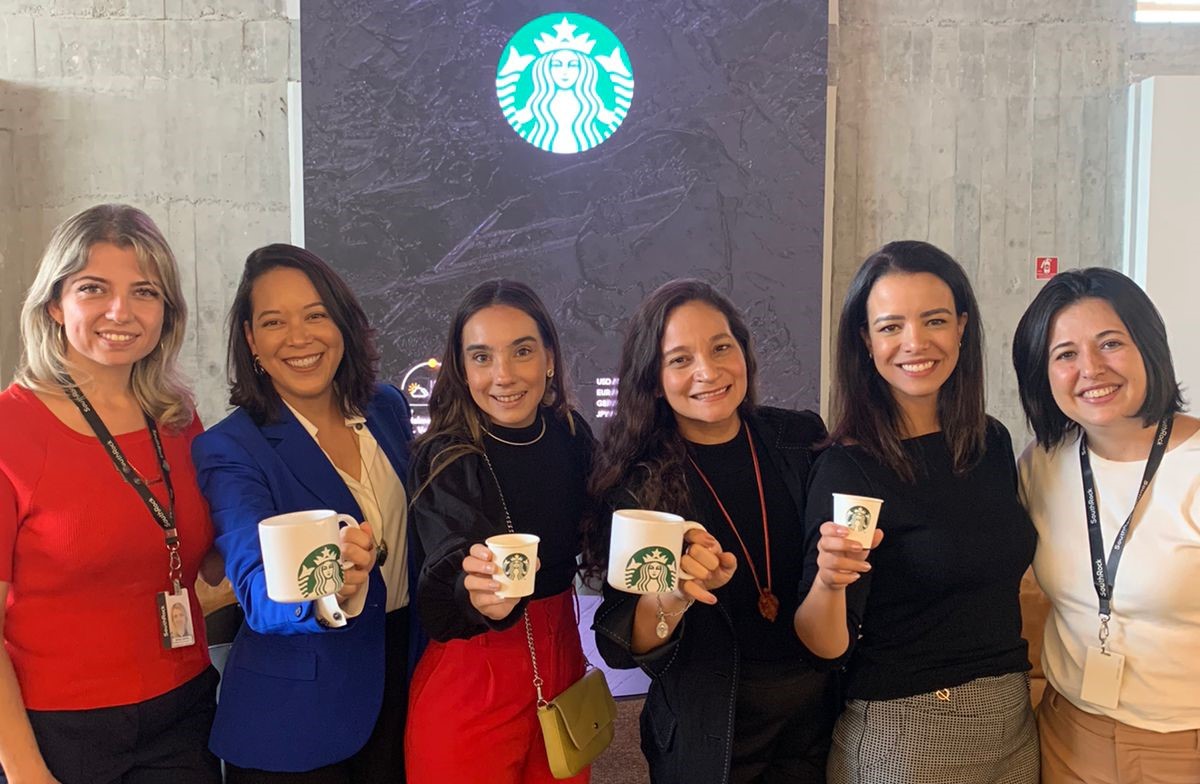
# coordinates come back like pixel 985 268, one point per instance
pixel 711 395
pixel 303 363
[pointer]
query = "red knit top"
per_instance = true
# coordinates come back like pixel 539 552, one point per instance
pixel 84 561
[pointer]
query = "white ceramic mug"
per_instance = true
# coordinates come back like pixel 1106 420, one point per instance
pixel 516 557
pixel 644 550
pixel 859 513
pixel 302 554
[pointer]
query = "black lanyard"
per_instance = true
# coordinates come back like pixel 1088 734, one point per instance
pixel 1104 573
pixel 165 518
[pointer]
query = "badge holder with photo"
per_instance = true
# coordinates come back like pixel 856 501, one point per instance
pixel 1103 669
pixel 176 596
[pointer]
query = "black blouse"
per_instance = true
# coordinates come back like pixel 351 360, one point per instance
pixel 940 606
pixel 730 469
pixel 544 489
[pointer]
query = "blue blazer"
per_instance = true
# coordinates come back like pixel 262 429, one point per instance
pixel 295 695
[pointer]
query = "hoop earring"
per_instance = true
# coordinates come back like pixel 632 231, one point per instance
pixel 550 373
pixel 259 370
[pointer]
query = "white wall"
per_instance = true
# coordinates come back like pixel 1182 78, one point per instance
pixel 1165 222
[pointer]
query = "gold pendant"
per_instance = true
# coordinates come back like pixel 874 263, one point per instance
pixel 662 630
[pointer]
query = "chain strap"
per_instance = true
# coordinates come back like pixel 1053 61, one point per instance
pixel 537 678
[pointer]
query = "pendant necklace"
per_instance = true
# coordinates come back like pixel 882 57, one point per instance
pixel 768 603
pixel 382 545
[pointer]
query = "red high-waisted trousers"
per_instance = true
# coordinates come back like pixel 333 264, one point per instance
pixel 472 714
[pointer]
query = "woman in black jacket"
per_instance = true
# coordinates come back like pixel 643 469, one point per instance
pixel 503 448
pixel 733 697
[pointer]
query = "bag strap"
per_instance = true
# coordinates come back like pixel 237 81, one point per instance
pixel 537 678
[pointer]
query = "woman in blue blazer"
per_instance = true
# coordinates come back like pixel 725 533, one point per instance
pixel 312 691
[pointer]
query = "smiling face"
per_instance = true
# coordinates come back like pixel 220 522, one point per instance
pixel 291 331
pixel 913 334
pixel 505 364
pixel 1096 372
pixel 703 373
pixel 111 310
pixel 564 69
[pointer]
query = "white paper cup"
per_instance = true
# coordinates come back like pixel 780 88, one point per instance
pixel 515 556
pixel 302 554
pixel 859 513
pixel 644 549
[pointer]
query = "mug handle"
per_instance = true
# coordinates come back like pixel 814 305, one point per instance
pixel 350 521
pixel 688 525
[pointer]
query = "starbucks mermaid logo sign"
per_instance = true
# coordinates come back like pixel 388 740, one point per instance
pixel 320 572
pixel 516 566
pixel 564 83
pixel 650 570
pixel 858 518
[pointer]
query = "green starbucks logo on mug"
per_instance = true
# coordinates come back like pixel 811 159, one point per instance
pixel 858 518
pixel 651 569
pixel 320 572
pixel 564 83
pixel 515 566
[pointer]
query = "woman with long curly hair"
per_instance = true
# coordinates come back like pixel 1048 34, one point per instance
pixel 733 696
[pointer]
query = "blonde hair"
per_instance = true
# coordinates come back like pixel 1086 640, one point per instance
pixel 156 381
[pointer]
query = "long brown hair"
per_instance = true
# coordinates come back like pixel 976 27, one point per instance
pixel 864 410
pixel 642 448
pixel 455 422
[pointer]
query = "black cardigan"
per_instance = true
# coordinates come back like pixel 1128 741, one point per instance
pixel 688 719
pixel 460 507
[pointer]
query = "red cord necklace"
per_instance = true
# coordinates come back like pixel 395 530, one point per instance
pixel 768 603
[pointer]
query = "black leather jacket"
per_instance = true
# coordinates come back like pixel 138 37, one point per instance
pixel 687 730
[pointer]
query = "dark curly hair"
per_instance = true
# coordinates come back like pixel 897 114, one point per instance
pixel 642 447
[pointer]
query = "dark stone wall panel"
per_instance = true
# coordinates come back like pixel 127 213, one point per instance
pixel 416 188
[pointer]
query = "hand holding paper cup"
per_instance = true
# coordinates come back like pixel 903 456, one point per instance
pixel 859 513
pixel 515 556
pixel 644 550
pixel 302 555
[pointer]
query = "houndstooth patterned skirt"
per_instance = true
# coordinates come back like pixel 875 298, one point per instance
pixel 982 732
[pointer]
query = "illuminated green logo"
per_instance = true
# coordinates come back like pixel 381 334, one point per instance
pixel 564 83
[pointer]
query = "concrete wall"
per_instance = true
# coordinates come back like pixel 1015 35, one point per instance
pixel 995 128
pixel 175 106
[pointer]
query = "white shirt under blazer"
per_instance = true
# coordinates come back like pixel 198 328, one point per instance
pixel 1156 600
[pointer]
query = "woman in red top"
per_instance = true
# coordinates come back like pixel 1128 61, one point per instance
pixel 102 526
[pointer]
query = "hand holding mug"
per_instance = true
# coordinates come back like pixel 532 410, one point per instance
pixel 707 564
pixel 358 558
pixel 841 560
pixel 482 586
pixel 304 554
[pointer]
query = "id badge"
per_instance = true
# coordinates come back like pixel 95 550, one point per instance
pixel 1102 672
pixel 175 619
